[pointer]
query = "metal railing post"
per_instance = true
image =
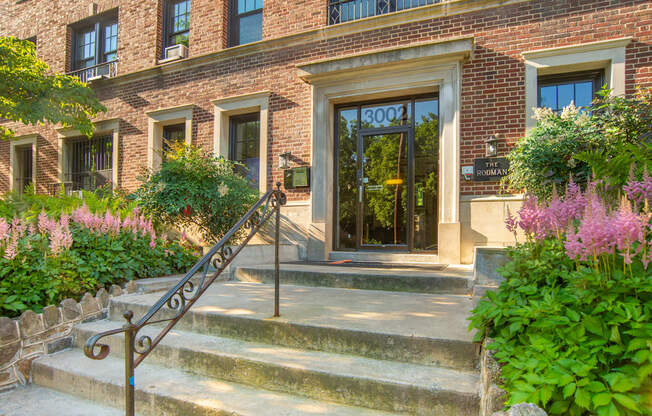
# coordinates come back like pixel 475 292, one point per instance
pixel 277 254
pixel 129 365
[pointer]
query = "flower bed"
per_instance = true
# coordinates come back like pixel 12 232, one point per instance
pixel 572 322
pixel 47 260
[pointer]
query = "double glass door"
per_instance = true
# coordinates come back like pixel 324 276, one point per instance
pixel 387 175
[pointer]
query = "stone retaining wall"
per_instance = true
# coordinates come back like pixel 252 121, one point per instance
pixel 31 335
pixel 492 397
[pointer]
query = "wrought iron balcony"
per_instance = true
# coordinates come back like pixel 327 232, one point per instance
pixel 92 73
pixel 340 11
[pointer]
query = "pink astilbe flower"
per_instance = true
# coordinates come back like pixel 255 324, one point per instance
pixel 10 251
pixel 628 228
pixel 4 230
pixel 639 192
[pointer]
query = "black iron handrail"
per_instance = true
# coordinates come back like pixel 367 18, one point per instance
pixel 340 11
pixel 184 294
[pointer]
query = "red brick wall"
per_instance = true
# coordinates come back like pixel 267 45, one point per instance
pixel 493 91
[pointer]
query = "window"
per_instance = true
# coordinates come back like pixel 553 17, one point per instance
pixel 172 135
pixel 177 28
pixel 558 91
pixel 245 145
pixel 90 162
pixel 340 11
pixel 246 21
pixel 96 42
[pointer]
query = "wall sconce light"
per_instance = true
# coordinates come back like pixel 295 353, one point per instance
pixel 491 146
pixel 284 160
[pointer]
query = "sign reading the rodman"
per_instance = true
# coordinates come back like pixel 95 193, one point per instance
pixel 490 168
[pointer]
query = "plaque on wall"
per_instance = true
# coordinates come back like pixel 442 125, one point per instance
pixel 490 168
pixel 296 177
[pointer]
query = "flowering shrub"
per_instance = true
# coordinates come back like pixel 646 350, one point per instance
pixel 604 143
pixel 196 190
pixel 45 261
pixel 572 322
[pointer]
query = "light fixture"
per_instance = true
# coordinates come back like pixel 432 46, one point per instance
pixel 284 160
pixel 491 146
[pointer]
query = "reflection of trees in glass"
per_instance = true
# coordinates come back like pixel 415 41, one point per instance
pixel 347 172
pixel 383 162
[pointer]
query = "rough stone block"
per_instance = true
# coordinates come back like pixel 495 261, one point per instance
pixel 70 310
pixel 31 350
pixel 58 345
pixel 30 323
pixel 56 332
pixel 523 409
pixel 131 287
pixel 8 330
pixel 102 297
pixel 25 367
pixel 115 290
pixel 6 376
pixel 89 304
pixel 8 353
pixel 51 316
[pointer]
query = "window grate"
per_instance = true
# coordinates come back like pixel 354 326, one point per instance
pixel 340 11
pixel 91 163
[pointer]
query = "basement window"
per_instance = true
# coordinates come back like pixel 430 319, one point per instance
pixel 558 91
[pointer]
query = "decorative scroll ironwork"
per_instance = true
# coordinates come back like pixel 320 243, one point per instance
pixel 91 73
pixel 340 11
pixel 185 293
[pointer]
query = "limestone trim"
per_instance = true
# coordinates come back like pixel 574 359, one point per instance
pixel 21 142
pixel 156 121
pixel 491 198
pixel 379 79
pixel 322 70
pixel 109 126
pixel 433 11
pixel 227 107
pixel 608 55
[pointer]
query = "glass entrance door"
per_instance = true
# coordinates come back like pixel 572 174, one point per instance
pixel 384 190
pixel 387 175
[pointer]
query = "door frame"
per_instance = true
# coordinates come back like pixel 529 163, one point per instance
pixel 409 129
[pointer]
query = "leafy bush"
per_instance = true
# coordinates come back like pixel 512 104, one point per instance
pixel 573 143
pixel 195 189
pixel 50 259
pixel 572 322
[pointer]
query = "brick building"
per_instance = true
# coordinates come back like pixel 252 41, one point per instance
pixel 386 101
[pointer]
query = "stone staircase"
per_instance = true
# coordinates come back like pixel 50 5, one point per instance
pixel 334 350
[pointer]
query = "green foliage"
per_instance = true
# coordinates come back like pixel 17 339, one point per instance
pixel 29 204
pixel 31 94
pixel 627 121
pixel 195 189
pixel 37 277
pixel 573 143
pixel 572 340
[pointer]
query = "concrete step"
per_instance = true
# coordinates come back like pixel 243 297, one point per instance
pixel 39 401
pixel 407 327
pixel 171 392
pixel 388 278
pixel 385 256
pixel 351 380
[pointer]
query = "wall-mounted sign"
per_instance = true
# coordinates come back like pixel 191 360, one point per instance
pixel 490 168
pixel 296 178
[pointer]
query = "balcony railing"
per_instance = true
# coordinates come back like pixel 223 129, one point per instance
pixel 340 11
pixel 91 73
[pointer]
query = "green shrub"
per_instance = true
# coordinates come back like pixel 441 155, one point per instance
pixel 45 261
pixel 197 190
pixel 572 321
pixel 576 143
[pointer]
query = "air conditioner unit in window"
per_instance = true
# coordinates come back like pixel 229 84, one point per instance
pixel 176 52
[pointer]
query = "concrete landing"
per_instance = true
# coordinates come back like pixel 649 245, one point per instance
pixel 38 401
pixel 408 327
pixel 402 278
pixel 407 314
